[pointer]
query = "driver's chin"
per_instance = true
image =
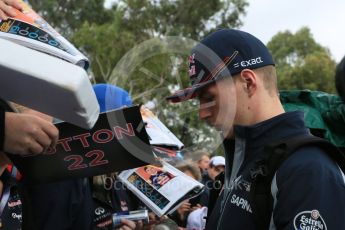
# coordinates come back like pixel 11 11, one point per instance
pixel 217 125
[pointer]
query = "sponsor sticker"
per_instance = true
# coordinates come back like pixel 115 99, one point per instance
pixel 99 211
pixel 309 220
pixel 12 204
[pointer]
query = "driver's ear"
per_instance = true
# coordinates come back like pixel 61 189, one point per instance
pixel 249 80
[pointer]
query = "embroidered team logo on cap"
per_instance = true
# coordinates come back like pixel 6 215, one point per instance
pixel 309 220
pixel 198 76
pixel 191 62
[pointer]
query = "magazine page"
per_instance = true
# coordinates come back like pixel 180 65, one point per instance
pixel 159 134
pixel 162 189
pixel 31 30
pixel 170 156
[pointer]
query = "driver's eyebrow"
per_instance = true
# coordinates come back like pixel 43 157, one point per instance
pixel 204 95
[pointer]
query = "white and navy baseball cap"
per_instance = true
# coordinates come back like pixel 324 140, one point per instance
pixel 221 54
pixel 217 161
pixel 197 219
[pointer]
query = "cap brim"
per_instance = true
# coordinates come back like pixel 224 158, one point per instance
pixel 188 93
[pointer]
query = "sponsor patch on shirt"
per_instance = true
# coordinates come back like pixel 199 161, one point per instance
pixel 241 203
pixel 309 220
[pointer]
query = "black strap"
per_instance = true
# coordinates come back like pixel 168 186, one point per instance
pixel 264 170
pixel 4 106
pixel 289 146
pixel 215 190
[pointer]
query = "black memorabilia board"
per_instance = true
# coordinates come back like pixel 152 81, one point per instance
pixel 118 141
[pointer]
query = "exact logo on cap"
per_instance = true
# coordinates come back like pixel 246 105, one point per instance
pixel 248 63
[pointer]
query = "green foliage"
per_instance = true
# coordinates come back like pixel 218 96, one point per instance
pixel 191 18
pixel 68 16
pixel 301 62
pixel 104 44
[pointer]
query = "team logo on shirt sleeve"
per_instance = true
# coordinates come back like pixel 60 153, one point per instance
pixel 309 220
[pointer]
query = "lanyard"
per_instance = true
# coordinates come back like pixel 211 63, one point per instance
pixel 4 199
pixel 7 191
pixel 14 172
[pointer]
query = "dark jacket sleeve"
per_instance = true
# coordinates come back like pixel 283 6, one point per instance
pixel 2 128
pixel 311 192
pixel 4 107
